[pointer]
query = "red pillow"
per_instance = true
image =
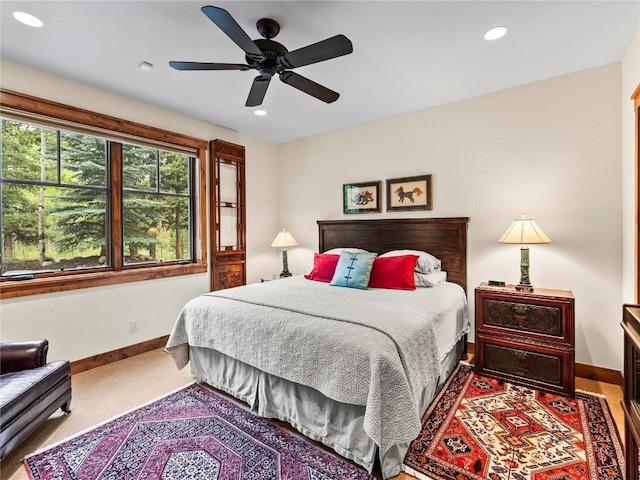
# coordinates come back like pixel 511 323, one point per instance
pixel 324 266
pixel 395 273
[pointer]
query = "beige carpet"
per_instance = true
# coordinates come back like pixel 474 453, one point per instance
pixel 98 395
pixel 105 392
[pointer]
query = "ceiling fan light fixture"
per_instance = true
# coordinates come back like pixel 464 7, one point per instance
pixel 495 33
pixel 260 113
pixel 28 19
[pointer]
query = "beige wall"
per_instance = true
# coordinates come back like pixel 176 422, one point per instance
pixel 630 81
pixel 87 322
pixel 551 149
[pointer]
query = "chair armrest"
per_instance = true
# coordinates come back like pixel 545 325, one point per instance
pixel 18 356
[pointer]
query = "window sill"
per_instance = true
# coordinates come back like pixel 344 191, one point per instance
pixel 12 289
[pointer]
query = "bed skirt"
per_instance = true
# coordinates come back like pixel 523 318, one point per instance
pixel 335 424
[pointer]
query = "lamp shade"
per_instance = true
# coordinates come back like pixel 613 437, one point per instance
pixel 524 231
pixel 284 239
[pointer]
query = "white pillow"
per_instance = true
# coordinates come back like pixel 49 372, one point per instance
pixel 429 279
pixel 338 251
pixel 426 262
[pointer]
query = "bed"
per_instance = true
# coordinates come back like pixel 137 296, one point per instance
pixel 353 369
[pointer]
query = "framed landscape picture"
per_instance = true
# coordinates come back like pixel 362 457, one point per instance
pixel 409 193
pixel 361 197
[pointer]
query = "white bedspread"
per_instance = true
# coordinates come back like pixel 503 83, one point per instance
pixel 376 348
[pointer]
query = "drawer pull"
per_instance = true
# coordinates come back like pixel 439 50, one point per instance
pixel 520 356
pixel 520 309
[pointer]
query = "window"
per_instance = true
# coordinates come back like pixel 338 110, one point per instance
pixel 83 205
pixel 156 205
pixel 53 193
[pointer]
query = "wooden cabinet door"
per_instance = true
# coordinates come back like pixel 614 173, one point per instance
pixel 227 215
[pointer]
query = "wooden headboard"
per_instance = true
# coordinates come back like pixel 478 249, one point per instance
pixel 445 238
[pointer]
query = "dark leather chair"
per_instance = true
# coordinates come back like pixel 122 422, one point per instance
pixel 30 390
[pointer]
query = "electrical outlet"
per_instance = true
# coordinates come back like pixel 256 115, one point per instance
pixel 133 325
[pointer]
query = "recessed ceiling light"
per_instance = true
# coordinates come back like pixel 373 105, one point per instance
pixel 27 19
pixel 495 33
pixel 260 113
pixel 145 66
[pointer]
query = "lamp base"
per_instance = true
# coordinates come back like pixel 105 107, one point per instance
pixel 524 287
pixel 525 283
pixel 285 265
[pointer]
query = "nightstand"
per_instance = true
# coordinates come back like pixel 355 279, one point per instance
pixel 526 337
pixel 268 278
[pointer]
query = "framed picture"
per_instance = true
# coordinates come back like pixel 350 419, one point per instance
pixel 409 193
pixel 362 197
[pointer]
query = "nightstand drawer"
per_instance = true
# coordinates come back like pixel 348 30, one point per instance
pixel 540 366
pixel 526 317
pixel 542 317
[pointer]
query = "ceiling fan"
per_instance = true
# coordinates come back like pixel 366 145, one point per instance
pixel 270 57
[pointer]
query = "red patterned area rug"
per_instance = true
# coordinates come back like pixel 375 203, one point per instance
pixel 191 434
pixel 481 428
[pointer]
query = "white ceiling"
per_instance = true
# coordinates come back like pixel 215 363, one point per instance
pixel 407 55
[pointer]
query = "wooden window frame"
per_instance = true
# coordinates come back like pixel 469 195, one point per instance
pixel 57 115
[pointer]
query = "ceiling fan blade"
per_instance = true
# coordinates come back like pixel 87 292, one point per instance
pixel 230 27
pixel 208 66
pixel 258 91
pixel 317 52
pixel 308 86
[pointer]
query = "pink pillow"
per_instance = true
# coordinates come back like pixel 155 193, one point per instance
pixel 395 273
pixel 324 266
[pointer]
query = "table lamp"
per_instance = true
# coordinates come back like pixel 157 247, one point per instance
pixel 284 239
pixel 524 231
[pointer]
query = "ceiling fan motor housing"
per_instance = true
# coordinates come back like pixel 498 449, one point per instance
pixel 271 51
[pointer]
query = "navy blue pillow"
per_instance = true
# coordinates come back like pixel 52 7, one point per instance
pixel 353 270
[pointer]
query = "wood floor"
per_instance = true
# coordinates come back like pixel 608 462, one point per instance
pixel 108 391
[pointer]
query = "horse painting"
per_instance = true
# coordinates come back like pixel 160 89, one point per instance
pixel 402 194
